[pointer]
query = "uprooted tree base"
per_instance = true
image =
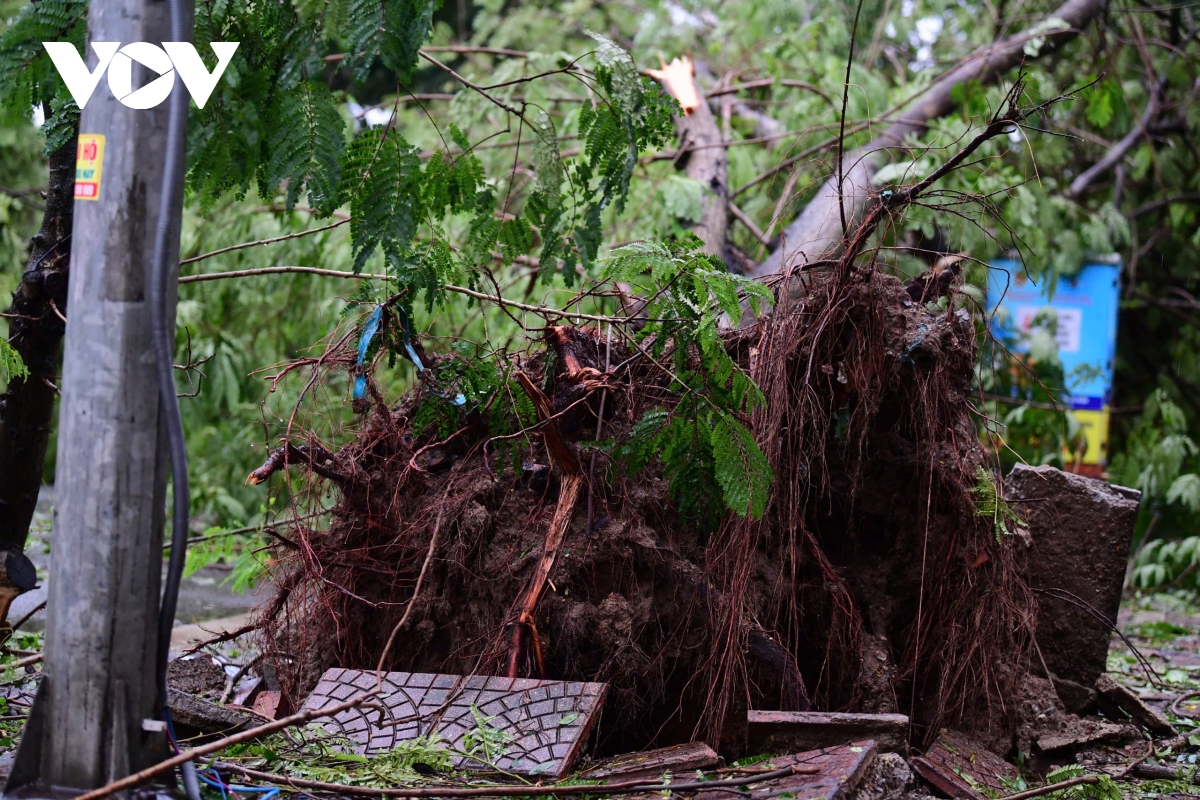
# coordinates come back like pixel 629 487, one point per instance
pixel 871 582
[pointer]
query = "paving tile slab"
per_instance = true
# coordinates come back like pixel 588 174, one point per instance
pixel 547 734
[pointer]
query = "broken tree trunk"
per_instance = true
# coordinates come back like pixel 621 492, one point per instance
pixel 702 155
pixel 817 233
pixel 36 328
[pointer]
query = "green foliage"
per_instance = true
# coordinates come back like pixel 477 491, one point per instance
pixel 1105 788
pixel 990 505
pixel 11 365
pixel 484 743
pixel 62 125
pixel 1167 562
pixel 391 32
pixel 314 753
pixel 1162 460
pixel 27 76
pixel 701 443
pixel 1106 104
pixel 305 147
pixel 1027 406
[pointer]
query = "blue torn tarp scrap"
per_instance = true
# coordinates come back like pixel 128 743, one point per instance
pixel 364 344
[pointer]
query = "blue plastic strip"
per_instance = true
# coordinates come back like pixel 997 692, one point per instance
pixel 364 344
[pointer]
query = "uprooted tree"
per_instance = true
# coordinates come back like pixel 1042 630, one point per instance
pixel 712 491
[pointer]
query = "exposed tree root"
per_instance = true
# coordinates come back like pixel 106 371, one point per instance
pixel 870 583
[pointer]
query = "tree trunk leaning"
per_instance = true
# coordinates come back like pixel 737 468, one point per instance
pixel 817 233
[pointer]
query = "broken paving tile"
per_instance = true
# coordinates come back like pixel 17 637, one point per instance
pixel 840 769
pixel 677 760
pixel 783 731
pixel 545 740
pixel 1088 732
pixel 960 767
pixel 1118 697
pixel 267 703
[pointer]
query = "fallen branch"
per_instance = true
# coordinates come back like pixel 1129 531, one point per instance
pixel 304 717
pixel 627 787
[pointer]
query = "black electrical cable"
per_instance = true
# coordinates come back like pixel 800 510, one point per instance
pixel 163 334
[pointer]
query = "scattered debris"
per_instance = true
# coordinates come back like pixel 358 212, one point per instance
pixel 190 711
pixel 1089 732
pixel 652 763
pixel 958 766
pixel 1077 698
pixel 1081 529
pixel 1115 698
pixel 542 724
pixel 199 675
pixel 780 731
pixel 887 778
pixel 830 774
pixel 839 771
pixel 247 692
pixel 267 703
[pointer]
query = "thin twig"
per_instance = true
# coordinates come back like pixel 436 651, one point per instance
pixel 841 143
pixel 244 245
pixel 27 617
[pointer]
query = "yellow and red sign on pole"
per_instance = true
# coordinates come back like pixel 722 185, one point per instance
pixel 89 164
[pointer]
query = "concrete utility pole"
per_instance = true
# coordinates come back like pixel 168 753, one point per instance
pixel 97 703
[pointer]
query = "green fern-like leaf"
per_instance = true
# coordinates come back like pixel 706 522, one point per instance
pixel 741 468
pixel 547 159
pixel 62 124
pixel 391 31
pixel 990 504
pixel 406 26
pixel 382 181
pixel 305 146
pixel 11 365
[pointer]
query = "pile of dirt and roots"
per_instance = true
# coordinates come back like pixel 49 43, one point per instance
pixel 870 583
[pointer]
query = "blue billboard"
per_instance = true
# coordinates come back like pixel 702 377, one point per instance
pixel 1086 310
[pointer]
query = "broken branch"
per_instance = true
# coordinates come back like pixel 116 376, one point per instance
pixel 627 787
pixel 301 718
